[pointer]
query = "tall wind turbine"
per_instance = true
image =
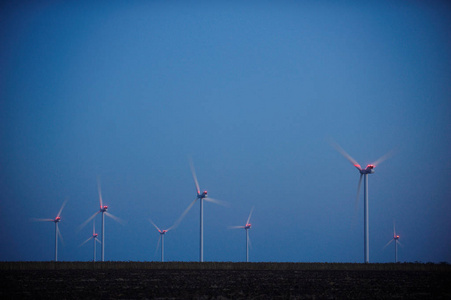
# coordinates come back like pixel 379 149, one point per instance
pixel 57 232
pixel 94 238
pixel 396 239
pixel 103 209
pixel 246 227
pixel 363 173
pixel 201 197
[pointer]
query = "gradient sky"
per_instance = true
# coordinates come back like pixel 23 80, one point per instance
pixel 253 92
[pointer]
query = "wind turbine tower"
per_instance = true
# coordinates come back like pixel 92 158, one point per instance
pixel 364 172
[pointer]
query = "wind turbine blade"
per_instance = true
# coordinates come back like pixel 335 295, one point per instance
pixel 346 155
pixel 394 230
pixel 219 202
pixel 85 242
pixel 87 221
pixel 193 171
pixel 93 227
pixel 61 209
pixel 236 227
pixel 42 220
pixel 97 240
pixel 119 220
pixel 182 215
pixel 399 243
pixel 154 225
pixel 100 192
pixel 158 244
pixel 388 243
pixel 384 157
pixel 60 236
pixel 358 192
pixel 250 214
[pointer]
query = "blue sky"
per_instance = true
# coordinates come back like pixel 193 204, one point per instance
pixel 253 93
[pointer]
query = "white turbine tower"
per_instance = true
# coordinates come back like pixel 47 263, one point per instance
pixel 363 173
pixel 246 227
pixel 57 232
pixel 103 209
pixel 201 197
pixel 396 239
pixel 94 238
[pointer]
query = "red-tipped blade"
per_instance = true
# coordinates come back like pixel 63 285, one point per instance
pixel 182 215
pixel 237 227
pixel 154 225
pixel 394 230
pixel 388 243
pixel 86 222
pixel 158 244
pixel 383 158
pixel 216 201
pixel 250 214
pixel 358 192
pixel 100 193
pixel 193 171
pixel 85 241
pixel 60 236
pixel 119 220
pixel 61 209
pixel 346 155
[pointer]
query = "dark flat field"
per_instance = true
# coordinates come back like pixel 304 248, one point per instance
pixel 227 281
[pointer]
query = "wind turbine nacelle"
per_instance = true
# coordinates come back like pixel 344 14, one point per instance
pixel 95 235
pixel 57 219
pixel 203 195
pixel 104 208
pixel 369 169
pixel 247 226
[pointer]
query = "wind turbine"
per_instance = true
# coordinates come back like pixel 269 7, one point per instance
pixel 94 238
pixel 161 238
pixel 164 231
pixel 103 209
pixel 396 239
pixel 363 173
pixel 246 227
pixel 201 197
pixel 57 232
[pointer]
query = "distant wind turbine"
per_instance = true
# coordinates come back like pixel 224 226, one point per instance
pixel 103 209
pixel 164 231
pixel 363 173
pixel 246 227
pixel 396 239
pixel 201 197
pixel 57 232
pixel 94 238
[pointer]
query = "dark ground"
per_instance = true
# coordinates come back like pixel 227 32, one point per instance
pixel 224 284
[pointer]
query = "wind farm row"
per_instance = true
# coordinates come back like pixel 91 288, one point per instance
pixel 203 196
